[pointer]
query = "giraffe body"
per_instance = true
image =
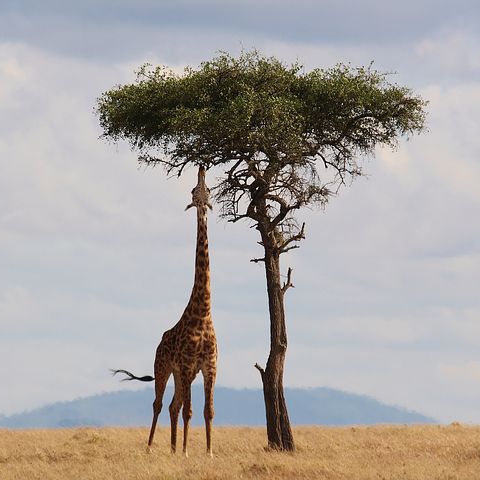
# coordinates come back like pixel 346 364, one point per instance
pixel 190 346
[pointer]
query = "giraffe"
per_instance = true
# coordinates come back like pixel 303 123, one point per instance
pixel 190 346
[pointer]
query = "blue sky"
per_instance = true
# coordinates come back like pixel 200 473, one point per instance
pixel 96 254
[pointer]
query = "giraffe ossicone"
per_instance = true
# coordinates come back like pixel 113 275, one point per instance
pixel 190 346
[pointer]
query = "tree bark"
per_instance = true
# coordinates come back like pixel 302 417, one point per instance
pixel 279 432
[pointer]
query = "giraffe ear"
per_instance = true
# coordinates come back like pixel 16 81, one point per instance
pixel 189 206
pixel 209 206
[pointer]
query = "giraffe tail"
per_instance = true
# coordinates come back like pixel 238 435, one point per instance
pixel 131 376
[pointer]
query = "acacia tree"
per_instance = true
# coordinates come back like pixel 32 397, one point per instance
pixel 282 138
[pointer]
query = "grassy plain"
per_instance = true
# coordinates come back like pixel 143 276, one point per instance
pixel 380 452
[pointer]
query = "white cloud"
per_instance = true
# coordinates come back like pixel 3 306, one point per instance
pixel 450 50
pixel 463 373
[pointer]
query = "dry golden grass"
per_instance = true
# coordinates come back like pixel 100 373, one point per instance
pixel 385 452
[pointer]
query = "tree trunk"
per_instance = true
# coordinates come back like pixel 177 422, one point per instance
pixel 279 431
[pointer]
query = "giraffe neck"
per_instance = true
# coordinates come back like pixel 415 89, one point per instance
pixel 201 287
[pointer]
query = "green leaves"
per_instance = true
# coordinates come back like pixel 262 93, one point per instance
pixel 255 103
pixel 295 133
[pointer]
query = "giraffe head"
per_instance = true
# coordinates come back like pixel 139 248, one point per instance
pixel 201 193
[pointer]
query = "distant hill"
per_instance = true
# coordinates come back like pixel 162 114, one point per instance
pixel 316 406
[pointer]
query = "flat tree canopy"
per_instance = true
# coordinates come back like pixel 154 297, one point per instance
pixel 257 109
pixel 281 137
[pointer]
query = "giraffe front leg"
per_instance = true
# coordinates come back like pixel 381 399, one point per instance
pixel 186 413
pixel 174 408
pixel 208 411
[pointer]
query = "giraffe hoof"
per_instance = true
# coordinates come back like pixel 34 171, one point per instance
pixel 149 449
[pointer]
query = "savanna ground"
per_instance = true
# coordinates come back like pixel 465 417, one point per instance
pixel 380 452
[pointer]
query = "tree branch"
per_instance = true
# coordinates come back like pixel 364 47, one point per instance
pixel 170 165
pixel 294 238
pixel 256 260
pixel 293 247
pixel 260 369
pixel 236 218
pixel 288 283
pixel 230 178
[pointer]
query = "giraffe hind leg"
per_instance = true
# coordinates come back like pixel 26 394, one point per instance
pixel 160 384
